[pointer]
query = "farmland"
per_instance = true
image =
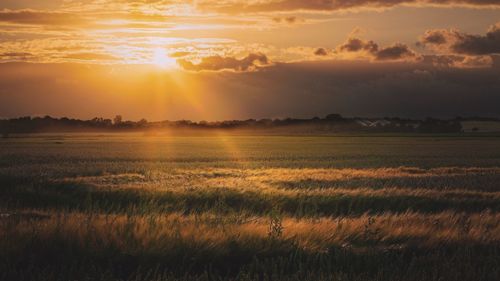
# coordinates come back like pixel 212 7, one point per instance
pixel 228 207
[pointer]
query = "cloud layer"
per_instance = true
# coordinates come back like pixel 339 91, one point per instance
pixel 217 35
pixel 240 6
pixel 458 42
pixel 304 89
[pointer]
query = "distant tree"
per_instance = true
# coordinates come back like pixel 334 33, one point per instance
pixel 97 121
pixel 117 120
pixel 334 117
pixel 183 123
pixel 142 123
pixel 265 122
pixel 107 122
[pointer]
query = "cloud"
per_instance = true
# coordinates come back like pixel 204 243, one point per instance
pixel 186 7
pixel 454 41
pixel 356 45
pixel 435 37
pixel 90 57
pixel 395 52
pixel 34 17
pixel 240 6
pixel 442 60
pixel 321 52
pixel 458 61
pixel 370 49
pixel 216 63
pixel 476 62
pixel 288 20
pixel 179 54
pixel 15 55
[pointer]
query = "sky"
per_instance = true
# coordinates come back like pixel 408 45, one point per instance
pixel 236 59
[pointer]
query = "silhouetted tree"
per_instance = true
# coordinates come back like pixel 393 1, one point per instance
pixel 334 117
pixel 142 123
pixel 117 120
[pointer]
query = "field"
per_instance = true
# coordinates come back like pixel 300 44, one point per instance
pixel 134 207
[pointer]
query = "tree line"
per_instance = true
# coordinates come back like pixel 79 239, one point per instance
pixel 329 123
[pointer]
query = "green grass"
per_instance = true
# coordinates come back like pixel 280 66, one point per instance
pixel 130 207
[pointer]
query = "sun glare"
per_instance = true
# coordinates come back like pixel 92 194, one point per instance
pixel 161 59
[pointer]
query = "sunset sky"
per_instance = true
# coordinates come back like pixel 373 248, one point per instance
pixel 235 59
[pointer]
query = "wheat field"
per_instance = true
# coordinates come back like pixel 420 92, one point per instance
pixel 228 207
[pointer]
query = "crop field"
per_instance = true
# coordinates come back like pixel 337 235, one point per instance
pixel 222 207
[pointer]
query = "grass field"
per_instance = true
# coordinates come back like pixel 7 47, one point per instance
pixel 133 207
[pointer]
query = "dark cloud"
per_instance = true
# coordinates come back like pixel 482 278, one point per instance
pixel 436 37
pixel 398 51
pixel 395 52
pixel 216 63
pixel 442 60
pixel 369 89
pixel 458 61
pixel 330 5
pixel 356 45
pixel 462 43
pixel 321 52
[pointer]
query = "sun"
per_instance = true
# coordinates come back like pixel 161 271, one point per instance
pixel 161 59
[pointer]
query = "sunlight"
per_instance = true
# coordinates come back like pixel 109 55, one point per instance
pixel 161 59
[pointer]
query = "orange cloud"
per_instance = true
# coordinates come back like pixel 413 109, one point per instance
pixel 217 63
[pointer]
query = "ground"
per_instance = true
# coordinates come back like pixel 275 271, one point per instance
pixel 221 207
